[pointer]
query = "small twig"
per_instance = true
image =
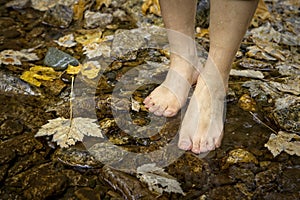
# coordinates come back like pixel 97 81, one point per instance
pixel 262 122
pixel 71 98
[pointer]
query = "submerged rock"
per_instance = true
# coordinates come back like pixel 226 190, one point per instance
pixel 59 60
pixel 12 84
pixel 287 113
pixel 59 16
pixel 97 19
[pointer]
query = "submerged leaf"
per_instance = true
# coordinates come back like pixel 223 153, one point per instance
pixel 37 73
pixel 288 142
pixel 14 57
pixel 66 41
pixel 99 3
pixel 73 69
pixel 157 179
pixel 67 132
pixel 152 6
pixel 91 69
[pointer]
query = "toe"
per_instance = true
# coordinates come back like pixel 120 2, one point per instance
pixel 197 147
pixel 160 111
pixel 185 145
pixel 210 145
pixel 153 108
pixel 170 112
pixel 147 100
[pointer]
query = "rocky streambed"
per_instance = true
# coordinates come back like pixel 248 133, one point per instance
pixel 119 46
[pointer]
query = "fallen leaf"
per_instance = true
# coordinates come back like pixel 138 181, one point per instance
pixel 288 142
pixel 152 6
pixel 89 38
pixel 135 105
pixel 247 73
pixel 14 57
pixel 247 103
pixel 99 3
pixel 66 41
pixel 37 73
pixel 73 69
pixel 93 50
pixel 67 132
pixel 157 179
pixel 90 69
pixel 79 9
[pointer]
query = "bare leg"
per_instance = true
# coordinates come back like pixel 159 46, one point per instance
pixel 171 95
pixel 202 126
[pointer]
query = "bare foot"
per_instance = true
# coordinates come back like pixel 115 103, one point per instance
pixel 202 126
pixel 168 98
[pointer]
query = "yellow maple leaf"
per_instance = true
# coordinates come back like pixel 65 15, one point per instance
pixel 37 73
pixel 73 69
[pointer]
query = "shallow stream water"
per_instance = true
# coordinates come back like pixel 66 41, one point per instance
pixel 36 168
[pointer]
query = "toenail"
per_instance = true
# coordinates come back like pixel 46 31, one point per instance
pixel 184 145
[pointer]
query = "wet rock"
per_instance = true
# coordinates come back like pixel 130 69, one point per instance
pixel 3 171
pixel 44 5
pixel 10 33
pixel 78 179
pixel 239 156
pixel 77 158
pixel 289 180
pixel 129 186
pixel 202 13
pixel 59 16
pixel 87 194
pixel 191 170
pixel 242 175
pixel 39 182
pixel 6 155
pixel 287 113
pixel 266 177
pixel 6 22
pixel 59 60
pixel 127 42
pixel 225 192
pixel 21 145
pixel 12 84
pixel 18 4
pixel 10 128
pixel 24 163
pixel 97 19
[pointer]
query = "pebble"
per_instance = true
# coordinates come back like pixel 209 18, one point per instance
pixel 58 59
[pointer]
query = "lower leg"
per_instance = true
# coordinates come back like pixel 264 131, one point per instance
pixel 202 127
pixel 179 19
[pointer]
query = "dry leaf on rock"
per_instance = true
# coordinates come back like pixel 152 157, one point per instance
pixel 288 142
pixel 67 132
pixel 66 41
pixel 247 73
pixel 157 179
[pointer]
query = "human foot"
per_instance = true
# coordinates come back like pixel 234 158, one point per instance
pixel 202 126
pixel 167 99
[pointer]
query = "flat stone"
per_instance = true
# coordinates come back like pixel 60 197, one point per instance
pixel 59 16
pixel 97 19
pixel 59 60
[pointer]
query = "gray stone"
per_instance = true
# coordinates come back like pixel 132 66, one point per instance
pixel 59 60
pixel 59 16
pixel 97 19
